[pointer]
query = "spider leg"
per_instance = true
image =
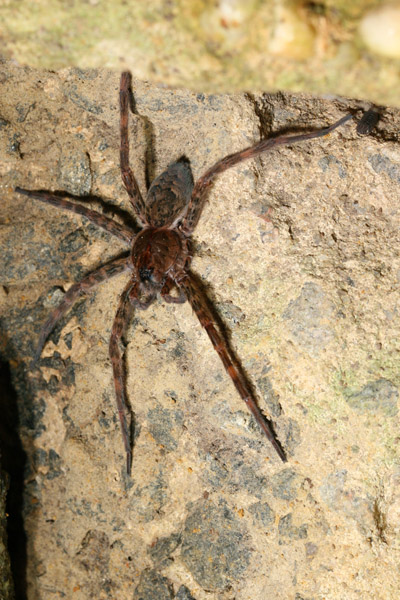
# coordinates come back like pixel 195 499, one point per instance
pixel 121 231
pixel 115 267
pixel 126 172
pixel 199 302
pixel 120 325
pixel 197 200
pixel 165 293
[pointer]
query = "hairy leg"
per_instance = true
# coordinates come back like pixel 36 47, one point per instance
pixel 84 286
pixel 198 300
pixel 201 186
pixel 121 231
pixel 120 325
pixel 126 172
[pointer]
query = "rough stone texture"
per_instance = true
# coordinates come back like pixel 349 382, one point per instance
pixel 301 251
pixel 215 547
pixel 207 45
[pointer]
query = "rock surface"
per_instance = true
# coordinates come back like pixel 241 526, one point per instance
pixel 300 249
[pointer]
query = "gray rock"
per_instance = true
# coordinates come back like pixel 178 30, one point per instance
pixel 377 396
pixel 214 545
pixel 309 316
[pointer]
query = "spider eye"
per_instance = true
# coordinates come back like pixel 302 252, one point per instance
pixel 145 273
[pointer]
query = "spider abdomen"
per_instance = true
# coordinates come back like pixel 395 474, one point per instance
pixel 169 195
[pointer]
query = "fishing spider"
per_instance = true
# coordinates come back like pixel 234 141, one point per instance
pixel 160 257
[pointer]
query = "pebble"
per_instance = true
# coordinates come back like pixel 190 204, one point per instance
pixel 380 30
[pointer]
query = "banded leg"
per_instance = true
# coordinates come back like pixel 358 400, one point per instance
pixel 120 325
pixel 198 300
pixel 115 267
pixel 199 191
pixel 126 172
pixel 121 231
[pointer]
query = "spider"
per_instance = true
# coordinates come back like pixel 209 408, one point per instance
pixel 160 257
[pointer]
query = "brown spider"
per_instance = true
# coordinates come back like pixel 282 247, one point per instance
pixel 160 257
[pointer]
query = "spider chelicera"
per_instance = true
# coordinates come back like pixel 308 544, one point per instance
pixel 160 257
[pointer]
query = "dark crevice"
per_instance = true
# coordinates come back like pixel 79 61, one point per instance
pixel 13 460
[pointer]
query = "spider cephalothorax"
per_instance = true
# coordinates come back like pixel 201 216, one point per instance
pixel 160 256
pixel 157 255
